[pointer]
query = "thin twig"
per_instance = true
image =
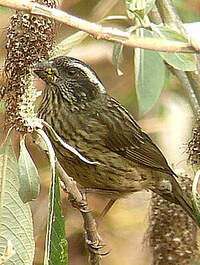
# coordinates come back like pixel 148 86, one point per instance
pixel 194 79
pixel 93 239
pixel 182 76
pixel 98 31
pixel 171 18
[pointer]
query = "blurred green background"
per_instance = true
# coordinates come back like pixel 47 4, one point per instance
pixel 169 123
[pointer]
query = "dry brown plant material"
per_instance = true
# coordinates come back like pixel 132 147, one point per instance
pixel 29 39
pixel 194 145
pixel 172 233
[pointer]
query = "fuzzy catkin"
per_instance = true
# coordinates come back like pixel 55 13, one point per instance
pixel 29 39
pixel 172 233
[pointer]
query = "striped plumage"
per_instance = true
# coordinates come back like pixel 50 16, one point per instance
pixel 77 106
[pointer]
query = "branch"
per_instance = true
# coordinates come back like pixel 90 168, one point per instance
pixel 99 32
pixel 185 82
pixel 171 18
pixel 92 237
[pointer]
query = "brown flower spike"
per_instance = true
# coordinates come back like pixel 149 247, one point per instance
pixel 172 234
pixel 29 40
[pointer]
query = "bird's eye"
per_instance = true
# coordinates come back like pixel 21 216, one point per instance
pixel 71 72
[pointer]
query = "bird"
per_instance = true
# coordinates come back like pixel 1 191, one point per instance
pixel 125 159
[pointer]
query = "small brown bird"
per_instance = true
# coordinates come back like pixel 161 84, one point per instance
pixel 76 104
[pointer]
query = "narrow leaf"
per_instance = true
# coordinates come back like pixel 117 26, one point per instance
pixel 56 245
pixel 29 180
pixel 57 250
pixel 149 75
pixel 16 226
pixel 117 50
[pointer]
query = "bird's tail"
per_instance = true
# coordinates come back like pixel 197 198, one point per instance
pixel 180 197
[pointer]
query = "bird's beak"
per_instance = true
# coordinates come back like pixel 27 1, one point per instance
pixel 45 71
pixel 41 67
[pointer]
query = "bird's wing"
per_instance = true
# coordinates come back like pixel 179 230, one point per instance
pixel 126 138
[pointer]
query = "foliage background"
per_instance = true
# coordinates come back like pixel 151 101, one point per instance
pixel 169 123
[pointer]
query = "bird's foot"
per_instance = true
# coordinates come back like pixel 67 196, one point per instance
pixel 81 205
pixel 95 246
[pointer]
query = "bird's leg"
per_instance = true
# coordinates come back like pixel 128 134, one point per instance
pixel 92 237
pixel 105 210
pixel 81 204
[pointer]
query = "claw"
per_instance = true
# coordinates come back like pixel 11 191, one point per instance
pixel 95 246
pixel 95 250
pixel 85 210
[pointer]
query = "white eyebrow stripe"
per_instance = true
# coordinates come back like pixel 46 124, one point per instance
pixel 92 77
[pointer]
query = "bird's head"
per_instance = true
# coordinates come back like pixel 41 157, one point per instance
pixel 75 81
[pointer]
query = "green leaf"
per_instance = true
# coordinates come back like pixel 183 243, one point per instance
pixel 180 61
pixel 29 180
pixel 168 33
pixel 117 50
pixel 149 75
pixel 15 217
pixel 56 245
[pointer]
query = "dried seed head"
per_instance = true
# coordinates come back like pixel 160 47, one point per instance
pixel 172 233
pixel 29 39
